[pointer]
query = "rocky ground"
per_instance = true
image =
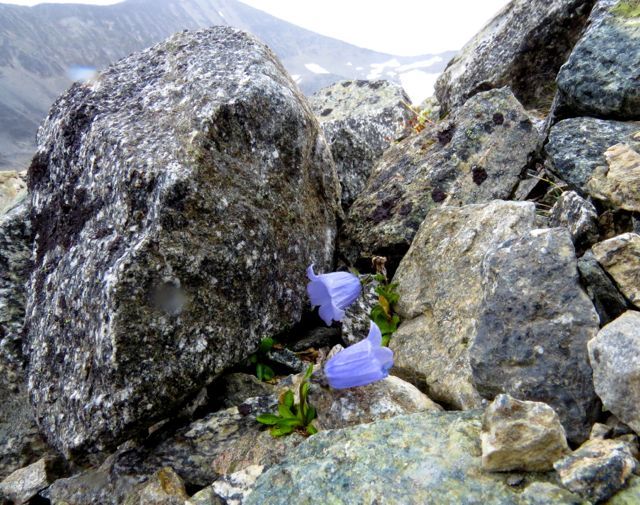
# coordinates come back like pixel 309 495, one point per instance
pixel 176 201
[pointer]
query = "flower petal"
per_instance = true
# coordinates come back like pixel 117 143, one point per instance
pixel 333 292
pixel 329 312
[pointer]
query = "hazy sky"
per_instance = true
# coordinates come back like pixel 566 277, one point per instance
pixel 403 27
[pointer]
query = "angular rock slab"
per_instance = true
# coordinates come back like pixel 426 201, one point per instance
pixel 577 215
pixel 408 460
pixel 25 483
pixel 533 327
pixel 475 156
pixel 618 184
pixel 615 358
pixel 519 435
pixel 13 186
pixel 620 257
pixel 600 78
pixel 360 119
pixel 523 47
pixel 178 198
pixel 440 287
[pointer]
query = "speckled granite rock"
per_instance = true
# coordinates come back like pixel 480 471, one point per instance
pixel 408 460
pixel 600 78
pixel 360 119
pixel 522 47
pixel 25 483
pixel 20 440
pixel 475 156
pixel 440 287
pixel 229 490
pixel 597 470
pixel 620 257
pixel 615 358
pixel 233 389
pixel 356 322
pixel 533 327
pixel 179 198
pixel 577 215
pixel 164 487
pixel 13 186
pixel 606 298
pixel 576 146
pixel 519 435
pixel 628 496
pixel 618 183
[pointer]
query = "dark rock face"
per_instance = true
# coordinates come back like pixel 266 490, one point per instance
pixel 360 119
pixel 522 47
pixel 577 215
pixel 532 334
pixel 20 441
pixel 178 200
pixel 601 76
pixel 576 146
pixel 475 156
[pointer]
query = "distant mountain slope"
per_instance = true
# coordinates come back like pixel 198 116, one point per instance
pixel 39 44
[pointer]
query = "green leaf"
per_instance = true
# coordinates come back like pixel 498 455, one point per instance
pixel 285 412
pixel 253 359
pixel 279 431
pixel 264 372
pixel 289 422
pixel 311 429
pixel 259 371
pixel 385 340
pixel 380 278
pixel 269 419
pixel 304 391
pixel 309 372
pixel 266 344
pixel 288 398
pixel 311 414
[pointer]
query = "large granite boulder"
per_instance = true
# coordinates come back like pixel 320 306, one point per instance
pixel 178 199
pixel 425 458
pixel 440 287
pixel 600 78
pixel 576 146
pixel 522 47
pixel 360 119
pixel 617 184
pixel 477 155
pixel 533 328
pixel 615 358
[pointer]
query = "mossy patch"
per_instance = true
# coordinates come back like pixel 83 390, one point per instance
pixel 627 9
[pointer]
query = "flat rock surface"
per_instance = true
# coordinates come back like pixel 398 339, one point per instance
pixel 179 198
pixel 604 294
pixel 476 155
pixel 620 257
pixel 440 288
pixel 522 47
pixel 534 324
pixel 618 183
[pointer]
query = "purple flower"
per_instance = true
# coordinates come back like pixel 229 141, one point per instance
pixel 362 363
pixel 333 292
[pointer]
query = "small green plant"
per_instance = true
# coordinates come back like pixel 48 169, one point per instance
pixel 292 416
pixel 382 312
pixel 421 117
pixel 263 371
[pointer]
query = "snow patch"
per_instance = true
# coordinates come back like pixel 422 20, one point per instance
pixel 297 78
pixel 221 15
pixel 315 68
pixel 418 84
pixel 420 64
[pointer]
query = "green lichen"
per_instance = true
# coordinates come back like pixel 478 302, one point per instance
pixel 627 9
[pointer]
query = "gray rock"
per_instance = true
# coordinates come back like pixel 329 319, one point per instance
pixel 615 358
pixel 600 78
pixel 440 288
pixel 179 198
pixel 234 389
pixel 628 496
pixel 13 186
pixel 522 47
pixel 519 435
pixel 356 322
pixel 317 338
pixel 545 493
pixel 431 457
pixel 287 360
pixel 360 119
pixel 475 156
pixel 577 215
pixel 617 183
pixel 232 489
pixel 164 487
pixel 597 470
pixel 576 146
pixel 620 257
pixel 606 298
pixel 533 328
pixel 25 483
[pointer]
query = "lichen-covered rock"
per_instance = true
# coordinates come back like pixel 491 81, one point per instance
pixel 615 359
pixel 576 146
pixel 533 327
pixel 618 183
pixel 360 119
pixel 597 470
pixel 628 496
pixel 475 156
pixel 522 47
pixel 440 288
pixel 178 199
pixel 521 435
pixel 600 78
pixel 25 483
pixel 577 215
pixel 164 487
pixel 545 493
pixel 20 440
pixel 430 457
pixel 229 490
pixel 606 298
pixel 620 257
pixel 13 186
